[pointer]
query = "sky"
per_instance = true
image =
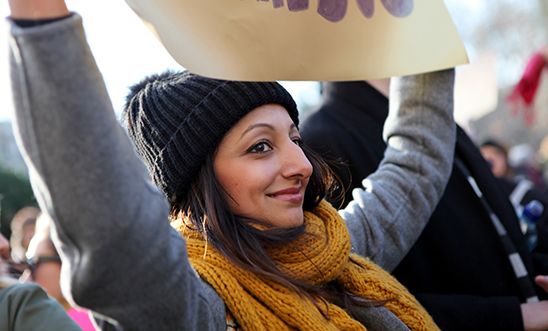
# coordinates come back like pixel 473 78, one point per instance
pixel 124 49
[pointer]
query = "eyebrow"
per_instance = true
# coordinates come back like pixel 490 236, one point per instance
pixel 264 125
pixel 257 125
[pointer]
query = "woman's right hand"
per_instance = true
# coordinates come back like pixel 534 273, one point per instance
pixel 37 9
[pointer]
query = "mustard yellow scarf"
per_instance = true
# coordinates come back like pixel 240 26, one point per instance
pixel 320 255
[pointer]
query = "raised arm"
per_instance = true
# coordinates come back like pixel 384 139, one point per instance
pixel 37 10
pixel 120 256
pixel 387 216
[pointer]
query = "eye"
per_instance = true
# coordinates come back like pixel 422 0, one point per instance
pixel 260 147
pixel 298 141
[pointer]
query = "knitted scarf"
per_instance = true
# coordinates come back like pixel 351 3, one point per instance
pixel 320 255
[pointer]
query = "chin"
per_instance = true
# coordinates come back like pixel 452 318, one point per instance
pixel 294 220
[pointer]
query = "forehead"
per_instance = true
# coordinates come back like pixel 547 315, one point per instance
pixel 272 114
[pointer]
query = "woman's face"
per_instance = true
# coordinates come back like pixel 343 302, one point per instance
pixel 262 167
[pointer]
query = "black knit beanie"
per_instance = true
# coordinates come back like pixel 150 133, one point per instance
pixel 176 119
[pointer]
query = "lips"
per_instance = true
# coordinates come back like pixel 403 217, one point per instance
pixel 292 194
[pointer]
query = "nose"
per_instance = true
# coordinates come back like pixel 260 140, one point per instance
pixel 294 162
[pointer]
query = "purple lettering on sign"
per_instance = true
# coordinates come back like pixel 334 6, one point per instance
pixel 398 8
pixel 332 10
pixel 297 5
pixel 278 3
pixel 335 10
pixel 367 7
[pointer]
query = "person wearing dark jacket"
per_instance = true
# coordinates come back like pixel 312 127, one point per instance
pixel 26 307
pixel 469 273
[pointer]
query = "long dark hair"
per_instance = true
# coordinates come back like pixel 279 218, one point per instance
pixel 245 245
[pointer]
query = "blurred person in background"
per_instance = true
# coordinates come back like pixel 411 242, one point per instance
pixel 496 155
pixel 22 229
pixel 44 264
pixel 26 307
pixel 515 174
pixel 525 164
pixel 542 155
pixel 44 269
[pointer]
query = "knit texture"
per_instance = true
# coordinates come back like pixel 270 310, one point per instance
pixel 320 255
pixel 176 119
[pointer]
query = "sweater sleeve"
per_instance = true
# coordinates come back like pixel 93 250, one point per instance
pixel 388 214
pixel 121 258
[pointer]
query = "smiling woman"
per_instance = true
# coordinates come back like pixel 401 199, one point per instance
pixel 244 193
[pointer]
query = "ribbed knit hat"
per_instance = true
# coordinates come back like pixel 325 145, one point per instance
pixel 176 119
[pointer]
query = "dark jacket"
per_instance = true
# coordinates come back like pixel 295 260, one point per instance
pixel 458 268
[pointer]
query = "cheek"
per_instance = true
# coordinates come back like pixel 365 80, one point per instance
pixel 245 183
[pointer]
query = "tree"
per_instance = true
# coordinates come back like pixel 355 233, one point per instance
pixel 15 193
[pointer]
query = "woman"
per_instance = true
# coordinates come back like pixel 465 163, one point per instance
pixel 44 269
pixel 26 307
pixel 242 190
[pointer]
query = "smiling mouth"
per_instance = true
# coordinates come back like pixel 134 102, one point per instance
pixel 290 195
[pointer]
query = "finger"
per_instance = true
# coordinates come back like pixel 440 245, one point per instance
pixel 542 281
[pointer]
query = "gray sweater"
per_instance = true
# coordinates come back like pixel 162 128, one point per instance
pixel 121 258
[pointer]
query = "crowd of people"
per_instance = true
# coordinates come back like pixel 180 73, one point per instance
pixel 213 208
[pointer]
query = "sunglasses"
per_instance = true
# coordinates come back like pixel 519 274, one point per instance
pixel 33 263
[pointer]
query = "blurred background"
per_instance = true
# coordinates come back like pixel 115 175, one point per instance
pixel 500 37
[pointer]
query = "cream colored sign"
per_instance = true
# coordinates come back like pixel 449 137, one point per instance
pixel 305 40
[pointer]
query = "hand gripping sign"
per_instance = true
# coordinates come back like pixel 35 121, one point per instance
pixel 305 40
